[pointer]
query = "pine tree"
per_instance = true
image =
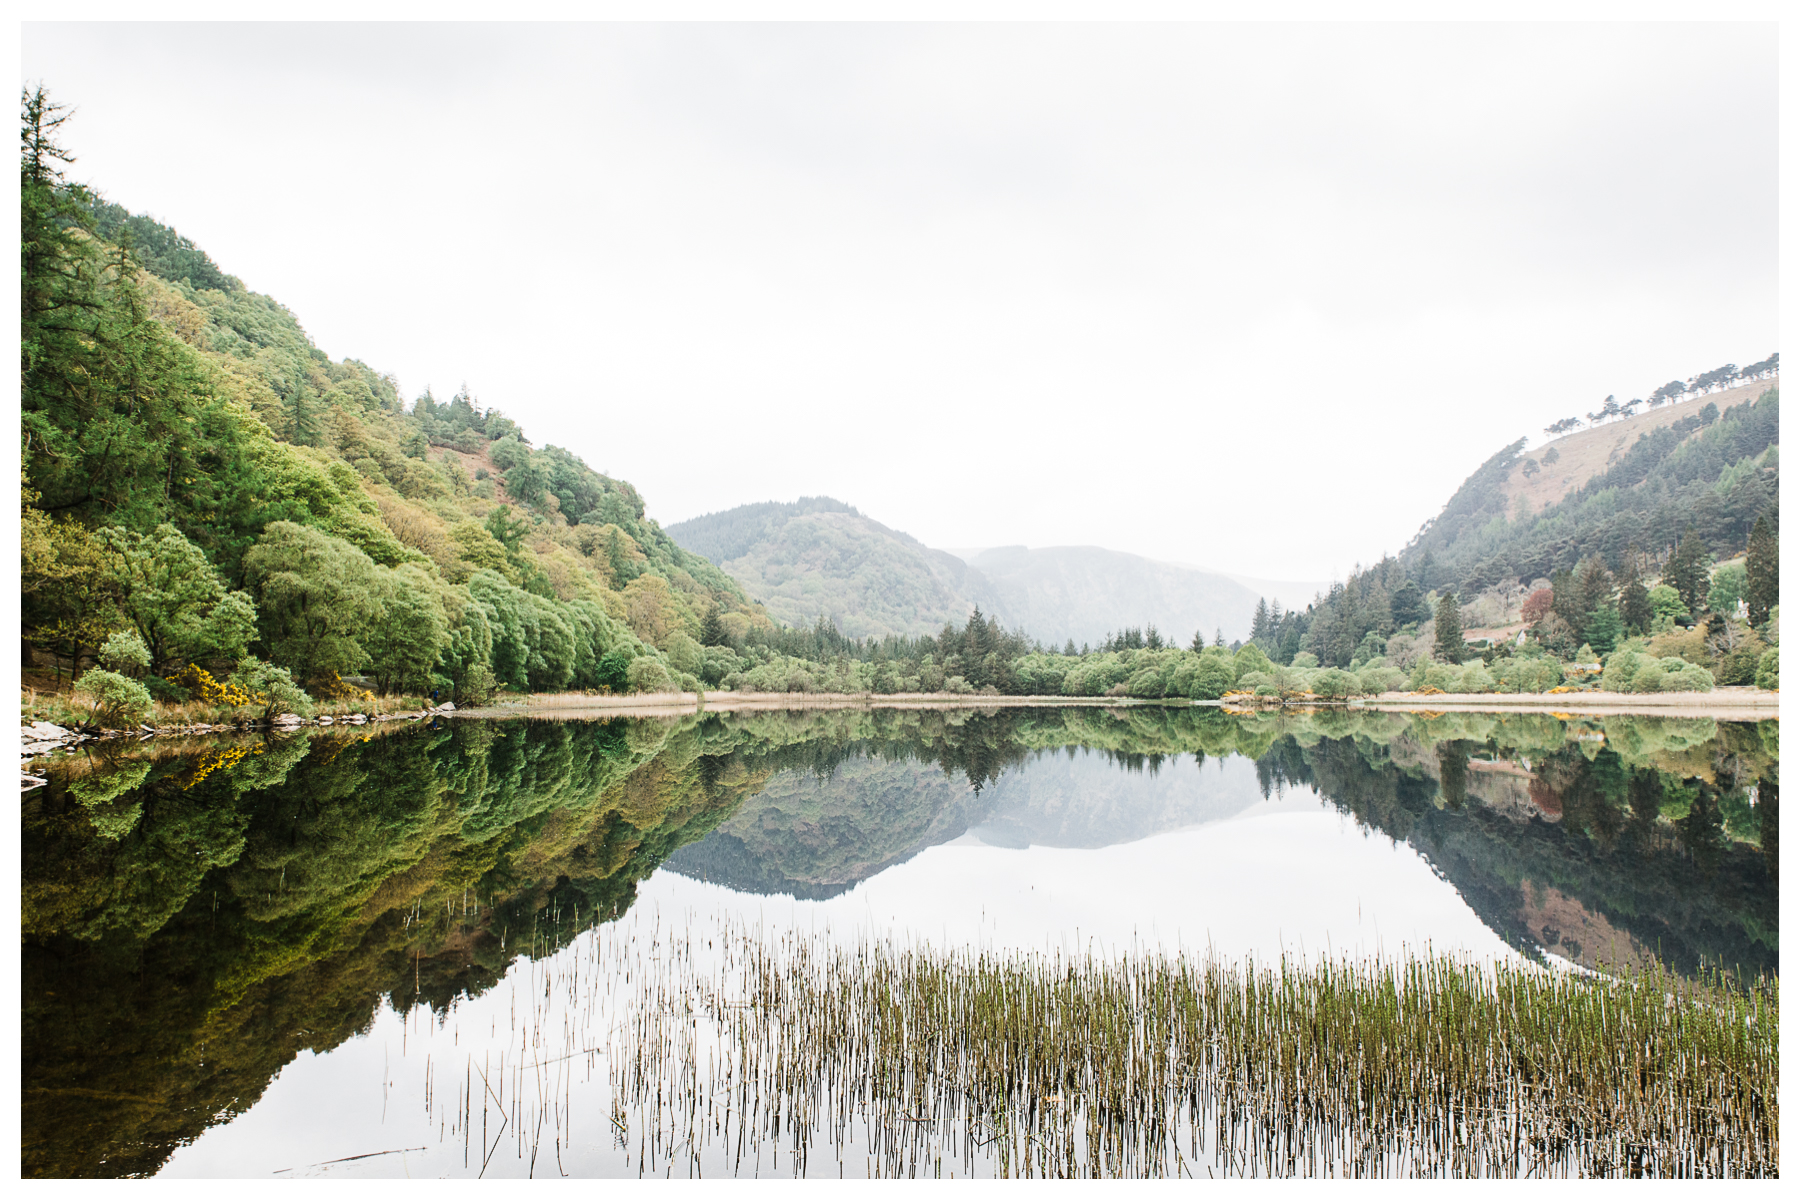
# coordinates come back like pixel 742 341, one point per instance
pixel 1762 573
pixel 1199 642
pixel 1687 572
pixel 1218 637
pixel 712 630
pixel 1259 624
pixel 1634 598
pixel 1449 643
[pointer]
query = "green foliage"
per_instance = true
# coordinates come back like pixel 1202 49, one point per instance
pixel 1447 644
pixel 1666 605
pixel 317 595
pixel 114 699
pixel 1728 587
pixel 271 688
pixel 1762 571
pixel 1768 669
pixel 1687 571
pixel 124 653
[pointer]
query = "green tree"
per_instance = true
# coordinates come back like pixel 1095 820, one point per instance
pixel 317 595
pixel 712 630
pixel 1687 571
pixel 1727 588
pixel 114 698
pixel 1448 643
pixel 409 633
pixel 1762 574
pixel 169 591
pixel 125 653
pixel 1634 598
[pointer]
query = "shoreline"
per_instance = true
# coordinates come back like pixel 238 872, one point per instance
pixel 1721 704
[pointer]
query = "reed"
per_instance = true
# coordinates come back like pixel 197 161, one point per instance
pixel 917 1061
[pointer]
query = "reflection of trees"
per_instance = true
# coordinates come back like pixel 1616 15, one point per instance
pixel 192 923
pixel 170 972
pixel 1682 888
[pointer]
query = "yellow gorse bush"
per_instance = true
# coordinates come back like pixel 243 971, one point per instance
pixel 200 682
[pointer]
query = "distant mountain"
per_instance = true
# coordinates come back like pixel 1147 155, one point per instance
pixel 819 556
pixel 1084 592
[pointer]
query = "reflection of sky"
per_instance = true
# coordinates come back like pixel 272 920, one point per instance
pixel 1289 874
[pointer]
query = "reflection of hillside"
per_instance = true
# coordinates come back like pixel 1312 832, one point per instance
pixel 1675 861
pixel 412 867
pixel 192 923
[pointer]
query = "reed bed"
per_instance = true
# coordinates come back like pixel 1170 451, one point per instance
pixel 722 1050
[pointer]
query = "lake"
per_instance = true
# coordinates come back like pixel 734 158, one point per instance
pixel 452 949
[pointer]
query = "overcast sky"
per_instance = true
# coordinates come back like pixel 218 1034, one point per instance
pixel 1255 297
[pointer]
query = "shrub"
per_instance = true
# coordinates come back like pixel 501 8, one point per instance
pixel 1474 677
pixel 1379 677
pixel 125 653
pixel 648 675
pixel 1305 660
pixel 1768 669
pixel 257 684
pixel 113 698
pixel 1536 675
pixel 1333 684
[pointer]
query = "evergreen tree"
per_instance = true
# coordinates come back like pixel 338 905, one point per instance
pixel 1687 572
pixel 712 630
pixel 1218 637
pixel 1408 604
pixel 1199 642
pixel 1259 624
pixel 1634 598
pixel 1449 643
pixel 1762 583
pixel 303 425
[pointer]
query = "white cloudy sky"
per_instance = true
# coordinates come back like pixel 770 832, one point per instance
pixel 1257 297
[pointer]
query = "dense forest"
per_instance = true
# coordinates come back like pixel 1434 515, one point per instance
pixel 212 507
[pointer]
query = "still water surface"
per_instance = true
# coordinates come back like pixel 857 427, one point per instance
pixel 403 954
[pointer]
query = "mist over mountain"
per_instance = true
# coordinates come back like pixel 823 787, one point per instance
pixel 1082 593
pixel 819 556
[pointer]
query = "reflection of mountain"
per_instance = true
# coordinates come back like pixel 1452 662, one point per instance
pixel 1085 800
pixel 191 923
pixel 813 836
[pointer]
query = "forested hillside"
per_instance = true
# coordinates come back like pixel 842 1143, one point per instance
pixel 207 493
pixel 1637 561
pixel 819 557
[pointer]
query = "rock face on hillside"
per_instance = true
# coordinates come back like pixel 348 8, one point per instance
pixel 1084 592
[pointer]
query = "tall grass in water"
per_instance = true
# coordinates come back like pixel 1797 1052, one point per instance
pixel 934 1061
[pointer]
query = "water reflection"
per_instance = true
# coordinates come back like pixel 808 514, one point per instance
pixel 196 918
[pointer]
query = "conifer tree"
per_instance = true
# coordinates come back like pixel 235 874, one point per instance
pixel 1687 572
pixel 1634 598
pixel 712 630
pixel 1762 573
pixel 1449 643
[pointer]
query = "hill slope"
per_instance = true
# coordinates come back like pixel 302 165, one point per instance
pixel 820 557
pixel 180 427
pixel 1578 457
